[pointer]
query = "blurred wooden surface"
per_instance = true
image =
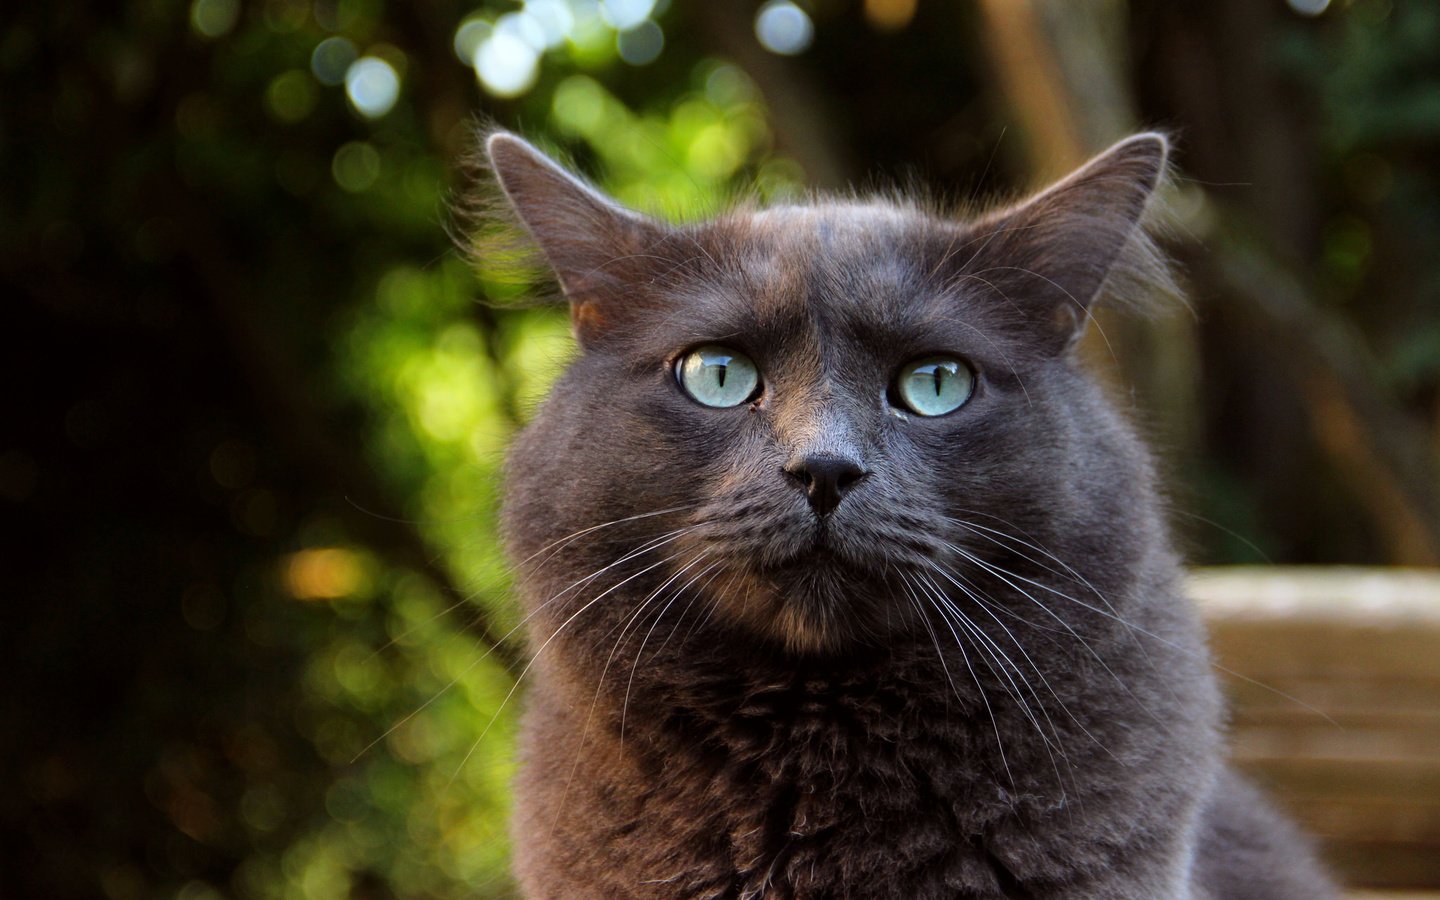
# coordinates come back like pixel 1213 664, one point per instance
pixel 1345 731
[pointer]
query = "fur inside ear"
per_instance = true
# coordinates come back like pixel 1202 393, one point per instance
pixel 591 242
pixel 1053 254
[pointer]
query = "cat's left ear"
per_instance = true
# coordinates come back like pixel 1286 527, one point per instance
pixel 1051 254
pixel 596 247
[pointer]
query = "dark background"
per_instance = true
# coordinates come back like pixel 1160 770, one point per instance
pixel 255 400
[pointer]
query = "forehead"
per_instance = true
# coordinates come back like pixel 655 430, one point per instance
pixel 837 262
pixel 833 274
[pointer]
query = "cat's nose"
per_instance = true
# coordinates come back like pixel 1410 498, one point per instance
pixel 825 479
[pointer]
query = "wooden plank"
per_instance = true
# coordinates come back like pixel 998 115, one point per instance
pixel 1364 597
pixel 1366 746
pixel 1345 731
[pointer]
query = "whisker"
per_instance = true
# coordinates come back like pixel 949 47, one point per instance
pixel 1005 576
pixel 934 638
pixel 985 639
pixel 989 607
pixel 994 536
pixel 714 569
pixel 570 538
pixel 980 688
pixel 553 636
pixel 635 665
pixel 599 686
pixel 996 660
pixel 714 605
pixel 456 680
pixel 1204 657
pixel 442 691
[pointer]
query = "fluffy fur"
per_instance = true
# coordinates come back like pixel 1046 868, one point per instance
pixel 975 677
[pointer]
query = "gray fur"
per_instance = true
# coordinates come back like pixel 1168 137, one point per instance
pixel 732 696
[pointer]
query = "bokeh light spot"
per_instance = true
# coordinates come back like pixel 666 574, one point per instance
pixel 728 86
pixel 506 65
pixel 522 26
pixel 214 18
pixel 622 15
pixel 373 86
pixel 641 45
pixel 592 41
pixel 255 512
pixel 554 18
pixel 291 96
pixel 468 38
pixel 579 104
pixel 1309 7
pixel 331 59
pixel 262 807
pixel 716 151
pixel 324 574
pixel 889 15
pixel 356 166
pixel 784 28
pixel 285 16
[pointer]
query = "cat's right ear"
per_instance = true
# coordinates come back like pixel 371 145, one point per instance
pixel 593 244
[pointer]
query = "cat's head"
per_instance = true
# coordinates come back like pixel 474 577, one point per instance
pixel 808 423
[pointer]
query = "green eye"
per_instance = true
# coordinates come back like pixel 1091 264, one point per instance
pixel 717 376
pixel 935 385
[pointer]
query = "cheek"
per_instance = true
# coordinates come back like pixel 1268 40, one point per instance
pixel 971 461
pixel 673 452
pixel 699 439
pixel 742 463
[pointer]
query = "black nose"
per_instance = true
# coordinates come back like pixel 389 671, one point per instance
pixel 825 479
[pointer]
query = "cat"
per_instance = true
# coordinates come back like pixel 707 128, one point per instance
pixel 843 579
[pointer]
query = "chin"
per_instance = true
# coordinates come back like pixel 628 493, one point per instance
pixel 812 606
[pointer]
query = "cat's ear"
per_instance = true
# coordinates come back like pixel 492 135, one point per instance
pixel 1051 254
pixel 591 242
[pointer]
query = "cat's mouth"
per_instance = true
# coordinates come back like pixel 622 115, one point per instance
pixel 818 561
pixel 818 598
pixel 812 583
pixel 824 547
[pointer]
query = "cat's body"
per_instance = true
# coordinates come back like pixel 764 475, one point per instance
pixel 817 642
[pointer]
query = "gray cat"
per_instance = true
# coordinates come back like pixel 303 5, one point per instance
pixel 844 580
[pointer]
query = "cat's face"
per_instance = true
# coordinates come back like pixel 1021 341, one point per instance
pixel 810 422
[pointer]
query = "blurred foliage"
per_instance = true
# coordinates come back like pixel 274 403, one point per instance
pixel 261 403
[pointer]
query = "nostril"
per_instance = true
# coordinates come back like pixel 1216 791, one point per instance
pixel 825 479
pixel 798 474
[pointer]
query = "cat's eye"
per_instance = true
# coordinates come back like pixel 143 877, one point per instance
pixel 717 376
pixel 935 385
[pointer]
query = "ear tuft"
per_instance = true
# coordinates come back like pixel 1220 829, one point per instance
pixel 1054 254
pixel 504 145
pixel 594 245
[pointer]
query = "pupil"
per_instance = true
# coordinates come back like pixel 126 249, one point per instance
pixel 720 374
pixel 938 373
